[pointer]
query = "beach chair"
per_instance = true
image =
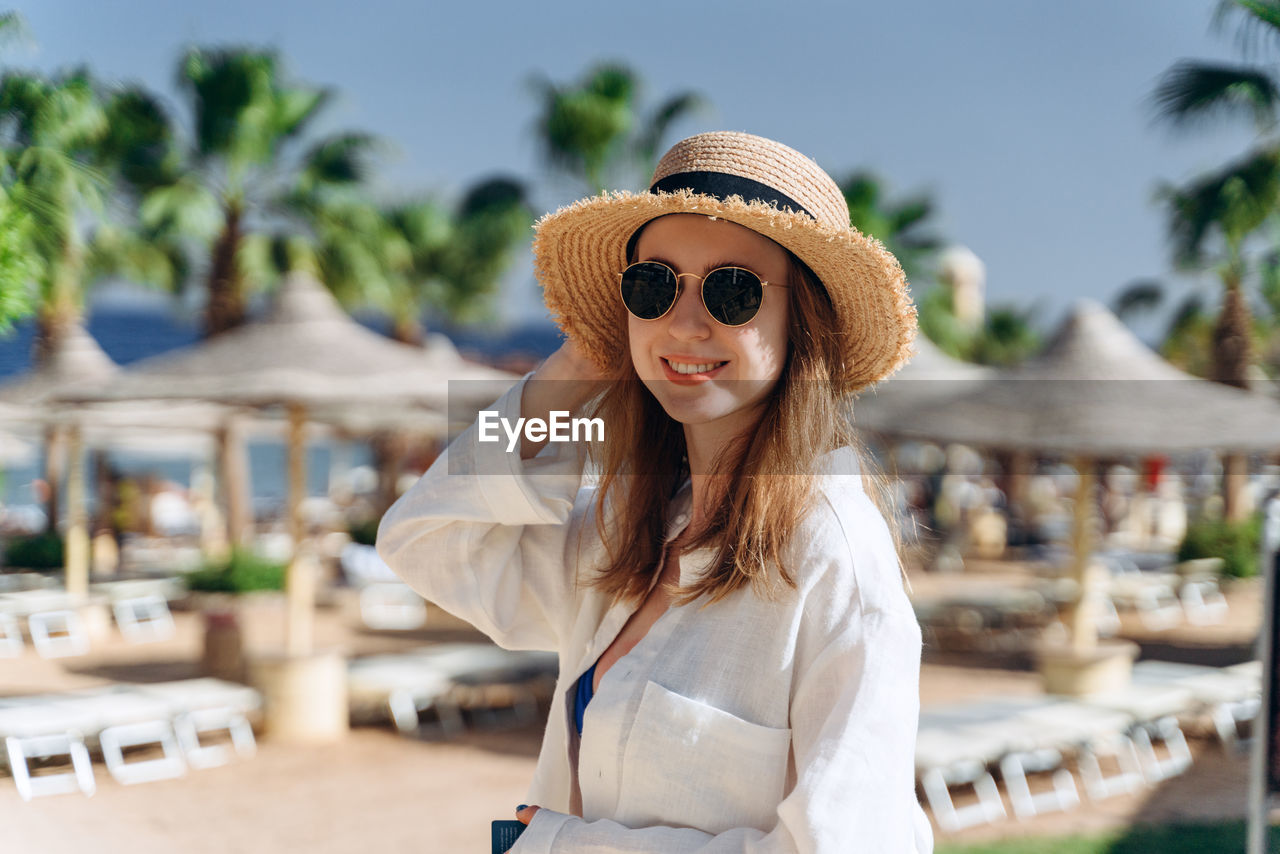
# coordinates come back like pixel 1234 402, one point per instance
pixel 486 676
pixel 1203 603
pixel 10 636
pixel 114 740
pixel 391 606
pixel 1092 734
pixel 1154 708
pixel 22 750
pixel 1116 746
pixel 955 744
pixel 58 634
pixel 1231 695
pixel 188 727
pixel 34 727
pixel 1061 797
pixel 405 686
pixel 121 717
pixel 1152 596
pixel 939 782
pixel 204 706
pixel 144 619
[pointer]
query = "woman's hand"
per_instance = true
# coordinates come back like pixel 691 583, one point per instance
pixel 570 362
pixel 564 382
pixel 526 814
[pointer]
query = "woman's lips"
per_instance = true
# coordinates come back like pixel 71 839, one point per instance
pixel 690 379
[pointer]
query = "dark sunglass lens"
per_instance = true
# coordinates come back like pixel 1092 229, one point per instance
pixel 648 290
pixel 732 295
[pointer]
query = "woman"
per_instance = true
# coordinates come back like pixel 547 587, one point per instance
pixel 739 662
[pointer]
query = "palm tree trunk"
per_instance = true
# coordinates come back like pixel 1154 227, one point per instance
pixel 225 309
pixel 1231 357
pixel 1232 346
pixel 52 327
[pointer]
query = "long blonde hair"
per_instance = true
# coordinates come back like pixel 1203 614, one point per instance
pixel 770 483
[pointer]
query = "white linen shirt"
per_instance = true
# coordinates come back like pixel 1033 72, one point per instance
pixel 745 726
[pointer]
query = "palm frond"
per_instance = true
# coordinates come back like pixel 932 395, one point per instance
pixel 1138 297
pixel 184 208
pixel 1192 93
pixel 1260 20
pixel 140 141
pixel 346 158
pixel 1230 202
pixel 669 112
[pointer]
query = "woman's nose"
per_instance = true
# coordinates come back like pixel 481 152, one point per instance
pixel 688 318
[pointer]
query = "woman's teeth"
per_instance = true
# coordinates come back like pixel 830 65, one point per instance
pixel 681 368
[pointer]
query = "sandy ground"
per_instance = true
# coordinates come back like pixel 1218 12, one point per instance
pixel 383 792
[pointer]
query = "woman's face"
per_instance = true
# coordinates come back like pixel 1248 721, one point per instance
pixel 747 359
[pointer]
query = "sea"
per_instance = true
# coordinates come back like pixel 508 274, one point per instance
pixel 130 332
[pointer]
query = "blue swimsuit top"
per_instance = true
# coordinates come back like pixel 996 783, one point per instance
pixel 583 696
pixel 584 693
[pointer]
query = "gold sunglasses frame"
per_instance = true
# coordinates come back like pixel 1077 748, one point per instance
pixel 702 297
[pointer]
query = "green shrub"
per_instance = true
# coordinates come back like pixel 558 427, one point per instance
pixel 37 551
pixel 1239 544
pixel 242 573
pixel 364 533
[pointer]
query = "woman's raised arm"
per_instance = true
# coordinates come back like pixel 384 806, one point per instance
pixel 486 533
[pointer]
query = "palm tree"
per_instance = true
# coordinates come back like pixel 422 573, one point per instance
pixel 19 266
pixel 51 132
pixel 242 167
pixel 406 258
pixel 1225 208
pixel 1231 204
pixel 593 130
pixel 904 226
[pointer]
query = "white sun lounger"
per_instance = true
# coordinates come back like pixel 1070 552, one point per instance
pixel 1231 695
pixel 405 685
pixel 391 606
pixel 21 750
pixel 207 705
pixel 1155 709
pixel 954 746
pixel 34 727
pixel 58 634
pixel 10 636
pixel 144 619
pixel 120 717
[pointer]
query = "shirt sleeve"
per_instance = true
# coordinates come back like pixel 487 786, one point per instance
pixel 855 709
pixel 487 536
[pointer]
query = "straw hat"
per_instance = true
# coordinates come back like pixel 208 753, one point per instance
pixel 754 182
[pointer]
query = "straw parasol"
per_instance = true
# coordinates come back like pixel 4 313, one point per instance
pixel 307 356
pixel 1096 392
pixel 79 365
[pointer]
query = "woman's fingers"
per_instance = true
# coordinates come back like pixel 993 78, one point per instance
pixel 526 814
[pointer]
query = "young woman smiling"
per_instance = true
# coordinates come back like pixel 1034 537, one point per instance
pixel 739 659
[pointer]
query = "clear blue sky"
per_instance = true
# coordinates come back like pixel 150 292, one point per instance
pixel 1028 121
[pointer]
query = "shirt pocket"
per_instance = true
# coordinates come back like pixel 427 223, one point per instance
pixel 688 764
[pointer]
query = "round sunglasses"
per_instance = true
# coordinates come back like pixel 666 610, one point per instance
pixel 731 295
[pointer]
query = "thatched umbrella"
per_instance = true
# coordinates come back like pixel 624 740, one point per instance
pixel 306 355
pixel 79 365
pixel 1095 392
